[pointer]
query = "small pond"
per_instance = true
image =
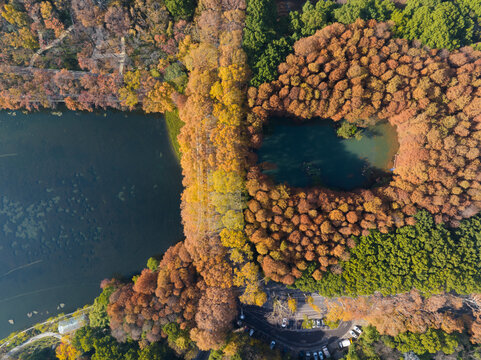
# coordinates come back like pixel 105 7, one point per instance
pixel 310 153
pixel 82 197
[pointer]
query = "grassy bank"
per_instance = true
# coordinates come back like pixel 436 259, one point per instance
pixel 174 124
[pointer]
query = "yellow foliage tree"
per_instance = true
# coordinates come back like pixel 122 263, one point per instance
pixel 233 238
pixel 13 16
pixel 236 256
pixel 227 181
pixel 127 94
pixel 310 301
pixel 159 99
pixel 292 305
pixel 65 351
pixel 22 38
pixel 233 220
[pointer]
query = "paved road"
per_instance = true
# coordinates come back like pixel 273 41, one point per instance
pixel 296 340
pixel 202 355
pixel 280 292
pixel 35 338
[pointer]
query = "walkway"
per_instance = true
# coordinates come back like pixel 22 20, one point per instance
pixel 78 312
pixel 25 344
pixel 51 45
pixel 22 70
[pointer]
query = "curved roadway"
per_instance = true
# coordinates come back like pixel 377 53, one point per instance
pixel 35 338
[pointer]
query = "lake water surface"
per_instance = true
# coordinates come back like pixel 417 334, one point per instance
pixel 310 153
pixel 82 197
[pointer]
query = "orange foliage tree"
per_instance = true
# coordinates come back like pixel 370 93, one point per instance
pixel 360 73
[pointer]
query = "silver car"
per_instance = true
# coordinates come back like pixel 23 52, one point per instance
pixel 357 329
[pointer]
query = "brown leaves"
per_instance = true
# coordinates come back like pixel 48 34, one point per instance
pixel 359 72
pixel 174 289
pixel 146 283
pixel 400 313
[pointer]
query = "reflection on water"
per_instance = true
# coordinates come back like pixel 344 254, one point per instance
pixel 82 197
pixel 311 153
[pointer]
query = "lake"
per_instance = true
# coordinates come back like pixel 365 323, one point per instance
pixel 82 197
pixel 310 153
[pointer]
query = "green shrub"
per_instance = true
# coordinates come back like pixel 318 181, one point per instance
pixel 380 10
pixel 348 131
pixel 153 263
pixel 176 75
pixel 432 341
pixel 427 256
pixel 98 314
pixel 181 9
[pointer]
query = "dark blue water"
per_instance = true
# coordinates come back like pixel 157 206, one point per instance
pixel 82 197
pixel 310 153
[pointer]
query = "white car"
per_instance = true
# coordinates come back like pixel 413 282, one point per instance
pixel 353 334
pixel 273 343
pixel 284 323
pixel 357 329
pixel 315 356
pixel 251 332
pixel 326 352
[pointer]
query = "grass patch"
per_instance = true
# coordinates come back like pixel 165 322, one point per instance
pixel 174 124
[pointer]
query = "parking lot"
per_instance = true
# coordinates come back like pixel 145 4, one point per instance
pixel 292 338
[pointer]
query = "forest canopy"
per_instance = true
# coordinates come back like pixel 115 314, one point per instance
pixel 361 74
pixel 355 62
pixel 440 24
pixel 426 256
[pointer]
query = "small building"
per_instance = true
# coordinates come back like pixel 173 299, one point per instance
pixel 72 324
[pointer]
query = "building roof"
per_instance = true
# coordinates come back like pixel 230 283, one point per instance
pixel 72 324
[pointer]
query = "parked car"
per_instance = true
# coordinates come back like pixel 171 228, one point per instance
pixel 321 355
pixel 251 332
pixel 326 352
pixel 301 355
pixel 353 334
pixel 344 343
pixel 242 316
pixel 284 323
pixel 357 329
pixel 318 323
pixel 273 343
pixel 308 355
pixel 314 355
pixel 291 324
